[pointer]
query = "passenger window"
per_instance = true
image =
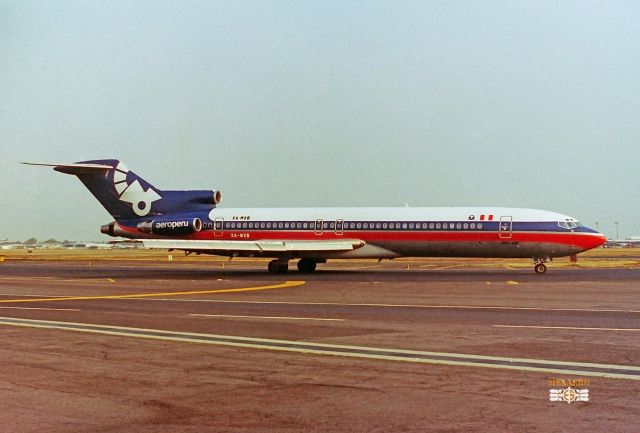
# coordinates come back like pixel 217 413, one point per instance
pixel 438 225
pixel 479 226
pixel 385 225
pixel 378 225
pixel 431 226
pixel 411 226
pixel 404 226
pixel 359 225
pixel 465 226
pixel 459 226
pixel 445 226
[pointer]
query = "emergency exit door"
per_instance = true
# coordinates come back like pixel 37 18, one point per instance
pixel 505 229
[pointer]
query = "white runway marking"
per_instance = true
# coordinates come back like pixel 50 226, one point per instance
pixel 425 306
pixel 630 372
pixel 579 328
pixel 230 316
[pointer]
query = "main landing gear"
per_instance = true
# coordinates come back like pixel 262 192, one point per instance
pixel 278 267
pixel 540 266
pixel 306 266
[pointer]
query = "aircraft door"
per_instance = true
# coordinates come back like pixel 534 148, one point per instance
pixel 505 229
pixel 318 227
pixel 339 227
pixel 218 226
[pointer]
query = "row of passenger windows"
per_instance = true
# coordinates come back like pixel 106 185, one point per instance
pixel 331 225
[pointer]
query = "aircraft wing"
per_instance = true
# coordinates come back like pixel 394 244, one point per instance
pixel 257 246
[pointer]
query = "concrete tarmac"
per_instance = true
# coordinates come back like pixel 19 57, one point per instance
pixel 146 346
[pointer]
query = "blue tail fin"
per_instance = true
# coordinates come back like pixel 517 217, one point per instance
pixel 126 196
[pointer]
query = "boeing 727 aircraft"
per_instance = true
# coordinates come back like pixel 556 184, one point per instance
pixel 193 222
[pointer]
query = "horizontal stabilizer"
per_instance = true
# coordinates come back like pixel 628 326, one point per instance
pixel 258 246
pixel 74 168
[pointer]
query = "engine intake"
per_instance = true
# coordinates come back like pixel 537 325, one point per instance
pixel 171 227
pixel 114 229
pixel 204 196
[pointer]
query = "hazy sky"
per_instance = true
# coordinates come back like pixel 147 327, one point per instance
pixel 320 103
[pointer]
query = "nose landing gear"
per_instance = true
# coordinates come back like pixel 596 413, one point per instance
pixel 540 266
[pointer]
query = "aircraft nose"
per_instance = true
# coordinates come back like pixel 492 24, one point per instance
pixel 598 240
pixel 593 239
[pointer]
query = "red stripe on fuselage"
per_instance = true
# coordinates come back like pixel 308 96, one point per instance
pixel 583 241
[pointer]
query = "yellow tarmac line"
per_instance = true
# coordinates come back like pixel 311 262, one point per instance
pixel 45 309
pixel 571 328
pixel 350 268
pixel 229 316
pixel 286 284
pixel 34 296
pixel 442 268
pixel 461 307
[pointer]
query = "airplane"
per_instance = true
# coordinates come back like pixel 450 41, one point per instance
pixel 630 242
pixel 192 221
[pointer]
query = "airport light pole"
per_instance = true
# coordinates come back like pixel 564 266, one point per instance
pixel 617 226
pixel 597 226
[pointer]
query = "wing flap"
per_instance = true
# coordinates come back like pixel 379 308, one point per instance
pixel 258 246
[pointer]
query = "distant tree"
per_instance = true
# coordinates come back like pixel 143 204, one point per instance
pixel 31 241
pixel 51 241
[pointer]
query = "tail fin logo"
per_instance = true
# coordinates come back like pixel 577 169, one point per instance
pixel 133 193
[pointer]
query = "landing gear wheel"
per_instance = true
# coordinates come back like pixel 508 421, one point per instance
pixel 278 267
pixel 540 268
pixel 306 266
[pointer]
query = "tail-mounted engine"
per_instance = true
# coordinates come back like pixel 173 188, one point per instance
pixel 171 227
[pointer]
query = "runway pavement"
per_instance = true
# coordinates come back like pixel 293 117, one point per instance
pixel 358 346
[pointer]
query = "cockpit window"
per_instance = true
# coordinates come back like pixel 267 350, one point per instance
pixel 569 225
